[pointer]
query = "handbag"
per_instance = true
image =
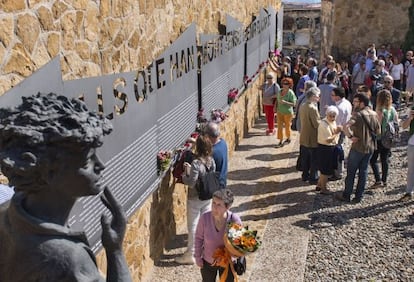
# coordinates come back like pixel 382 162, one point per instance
pixel 240 265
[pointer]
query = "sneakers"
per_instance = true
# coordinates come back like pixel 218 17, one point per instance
pixel 186 258
pixel 407 197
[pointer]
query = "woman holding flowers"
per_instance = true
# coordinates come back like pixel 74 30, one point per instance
pixel 195 206
pixel 209 235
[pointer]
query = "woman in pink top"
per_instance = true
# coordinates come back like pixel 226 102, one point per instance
pixel 210 232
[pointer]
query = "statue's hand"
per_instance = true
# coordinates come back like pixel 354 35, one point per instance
pixel 113 230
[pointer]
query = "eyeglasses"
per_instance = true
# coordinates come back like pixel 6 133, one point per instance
pixel 332 115
pixel 387 82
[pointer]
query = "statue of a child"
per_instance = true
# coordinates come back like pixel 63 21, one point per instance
pixel 47 151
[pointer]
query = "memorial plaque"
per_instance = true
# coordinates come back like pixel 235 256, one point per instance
pixel 45 80
pixel 215 61
pixel 235 39
pixel 265 23
pixel 252 37
pixel 145 107
pixel 273 28
pixel 279 21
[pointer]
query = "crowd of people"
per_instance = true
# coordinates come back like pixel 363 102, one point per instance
pixel 351 101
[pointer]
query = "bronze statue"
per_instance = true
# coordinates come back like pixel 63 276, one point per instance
pixel 47 151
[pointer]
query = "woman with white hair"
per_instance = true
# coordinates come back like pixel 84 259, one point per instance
pixel 328 135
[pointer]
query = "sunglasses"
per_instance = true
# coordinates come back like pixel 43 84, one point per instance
pixel 387 82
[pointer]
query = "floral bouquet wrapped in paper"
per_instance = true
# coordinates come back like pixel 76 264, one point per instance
pixel 240 241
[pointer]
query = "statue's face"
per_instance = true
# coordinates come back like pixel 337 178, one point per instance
pixel 79 174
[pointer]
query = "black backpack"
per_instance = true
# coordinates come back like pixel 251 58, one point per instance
pixel 207 184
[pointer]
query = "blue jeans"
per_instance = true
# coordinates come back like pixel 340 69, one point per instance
pixel 356 161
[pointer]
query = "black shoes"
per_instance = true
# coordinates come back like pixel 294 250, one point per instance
pixel 287 141
pixel 340 197
pixel 334 178
pixel 282 143
pixel 279 145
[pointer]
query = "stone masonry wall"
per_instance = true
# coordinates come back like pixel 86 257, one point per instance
pixel 359 23
pixel 102 37
pixel 94 38
pixel 326 28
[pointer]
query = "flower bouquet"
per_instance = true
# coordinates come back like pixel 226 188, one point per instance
pixel 218 115
pixel 240 241
pixel 232 96
pixel 163 161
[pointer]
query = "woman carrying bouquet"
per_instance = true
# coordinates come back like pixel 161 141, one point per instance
pixel 209 235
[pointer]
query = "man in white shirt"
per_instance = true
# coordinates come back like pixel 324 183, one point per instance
pixel 344 114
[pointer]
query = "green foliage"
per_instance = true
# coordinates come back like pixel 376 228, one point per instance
pixel 409 37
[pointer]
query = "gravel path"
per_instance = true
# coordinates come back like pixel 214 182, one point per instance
pixel 369 241
pixel 307 236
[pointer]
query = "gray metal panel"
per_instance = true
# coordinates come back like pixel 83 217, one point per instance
pixel 265 22
pixel 142 130
pixel 252 48
pixel 215 79
pixel 272 28
pixel 235 34
pixel 45 80
pixel 279 36
pixel 177 103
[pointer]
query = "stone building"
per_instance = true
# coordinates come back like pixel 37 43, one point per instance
pixel 302 29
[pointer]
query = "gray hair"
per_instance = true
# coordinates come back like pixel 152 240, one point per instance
pixel 309 84
pixel 212 130
pixel 313 91
pixel 225 195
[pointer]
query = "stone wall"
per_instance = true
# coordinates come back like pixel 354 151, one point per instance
pixel 359 23
pixel 327 27
pixel 102 37
pixel 94 38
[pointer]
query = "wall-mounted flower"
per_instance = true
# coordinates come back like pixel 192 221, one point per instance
pixel 232 96
pixel 218 115
pixel 163 161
